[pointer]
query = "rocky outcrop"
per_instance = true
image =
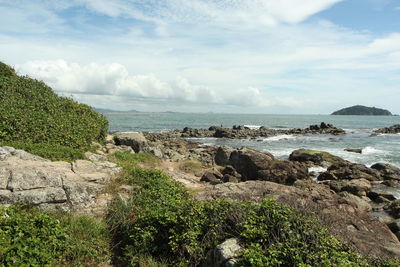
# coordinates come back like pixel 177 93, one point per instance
pixel 358 187
pixel 137 141
pixel 53 185
pixel 394 129
pixel 223 154
pixel 367 234
pixel 283 172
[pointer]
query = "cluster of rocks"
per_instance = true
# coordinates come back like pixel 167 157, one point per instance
pixel 394 129
pixel 242 132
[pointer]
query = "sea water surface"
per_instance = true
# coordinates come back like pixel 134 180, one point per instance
pixel 382 148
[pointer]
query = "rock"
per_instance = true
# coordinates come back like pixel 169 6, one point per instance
pixel 249 161
pixel 227 178
pixel 381 190
pixel 231 171
pixel 394 209
pixel 225 254
pixel 358 187
pixel 354 150
pixel 212 177
pixel 283 172
pixel 314 157
pixel 54 185
pixel 394 226
pixel 326 176
pixel 387 171
pixel 350 171
pixel 135 140
pixel 360 203
pixel 394 129
pixel 368 235
pixel 223 154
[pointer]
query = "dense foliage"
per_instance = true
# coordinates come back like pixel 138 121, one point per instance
pixel 163 224
pixel 362 110
pixel 32 238
pixel 30 112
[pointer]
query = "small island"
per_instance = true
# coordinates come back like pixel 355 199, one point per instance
pixel 363 110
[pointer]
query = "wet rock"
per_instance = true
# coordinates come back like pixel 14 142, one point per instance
pixel 387 171
pixel 394 129
pixel 248 162
pixel 381 190
pixel 223 154
pixel 394 209
pixel 353 150
pixel 135 140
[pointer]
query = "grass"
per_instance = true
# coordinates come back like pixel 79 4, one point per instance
pixel 191 166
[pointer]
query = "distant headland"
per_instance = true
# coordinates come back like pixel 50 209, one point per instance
pixel 363 110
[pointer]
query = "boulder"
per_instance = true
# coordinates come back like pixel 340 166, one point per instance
pixel 387 171
pixel 362 203
pixel 248 162
pixel 223 154
pixel 225 254
pixel 313 157
pixel 283 172
pixel 394 129
pixel 394 226
pixel 135 140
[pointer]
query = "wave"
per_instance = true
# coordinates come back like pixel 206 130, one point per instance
pixel 371 150
pixel 253 127
pixel 280 137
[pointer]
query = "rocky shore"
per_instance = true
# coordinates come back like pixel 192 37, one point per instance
pixel 358 204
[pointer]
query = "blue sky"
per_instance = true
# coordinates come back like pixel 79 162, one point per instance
pixel 237 56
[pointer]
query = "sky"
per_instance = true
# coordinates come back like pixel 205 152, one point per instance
pixel 228 56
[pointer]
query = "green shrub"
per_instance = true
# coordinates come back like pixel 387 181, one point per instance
pixel 31 112
pixel 29 237
pixel 163 223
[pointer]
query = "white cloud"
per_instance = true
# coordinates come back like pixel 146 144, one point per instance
pixel 114 80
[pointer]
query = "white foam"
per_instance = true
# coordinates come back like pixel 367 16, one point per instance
pixel 253 127
pixel 279 137
pixel 317 169
pixel 371 150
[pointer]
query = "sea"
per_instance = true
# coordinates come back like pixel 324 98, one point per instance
pixel 383 148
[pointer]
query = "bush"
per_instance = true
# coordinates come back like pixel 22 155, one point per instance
pixel 32 238
pixel 163 223
pixel 32 113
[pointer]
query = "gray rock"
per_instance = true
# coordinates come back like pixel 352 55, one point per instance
pixel 387 171
pixel 223 154
pixel 135 140
pixel 225 254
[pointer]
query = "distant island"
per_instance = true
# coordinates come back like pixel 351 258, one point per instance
pixel 363 110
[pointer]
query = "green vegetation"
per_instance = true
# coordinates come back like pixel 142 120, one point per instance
pixel 163 224
pixel 33 117
pixel 363 110
pixel 32 238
